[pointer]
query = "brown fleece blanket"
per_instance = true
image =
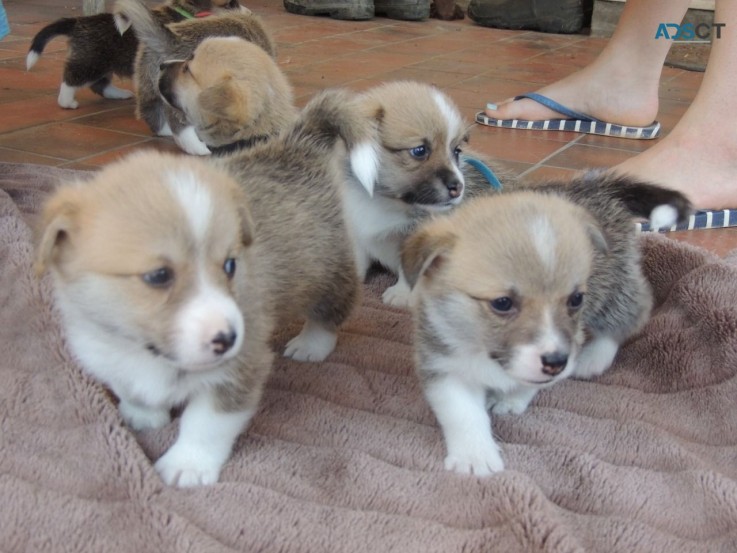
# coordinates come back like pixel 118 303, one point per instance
pixel 346 456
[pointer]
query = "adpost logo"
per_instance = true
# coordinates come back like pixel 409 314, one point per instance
pixel 688 32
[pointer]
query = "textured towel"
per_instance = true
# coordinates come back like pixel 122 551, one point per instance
pixel 346 455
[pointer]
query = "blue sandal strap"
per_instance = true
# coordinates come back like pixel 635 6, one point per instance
pixel 555 106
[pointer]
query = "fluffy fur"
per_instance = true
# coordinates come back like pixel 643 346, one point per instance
pixel 160 43
pixel 231 91
pixel 294 186
pixel 97 51
pixel 171 275
pixel 420 172
pixel 515 292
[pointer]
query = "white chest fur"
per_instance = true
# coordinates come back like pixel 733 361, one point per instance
pixel 377 227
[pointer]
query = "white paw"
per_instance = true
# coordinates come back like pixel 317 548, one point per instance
pixel 115 93
pixel 515 406
pixel 595 357
pixel 165 130
pixel 139 417
pixel 188 141
pixel 314 343
pixel 187 467
pixel 68 104
pixel 479 461
pixel 66 96
pixel 397 295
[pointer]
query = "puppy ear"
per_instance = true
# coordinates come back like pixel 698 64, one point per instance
pixel 365 164
pixel 247 226
pixel 226 100
pixel 425 251
pixel 58 223
pixel 122 23
pixel 597 237
pixel 244 213
pixel 364 157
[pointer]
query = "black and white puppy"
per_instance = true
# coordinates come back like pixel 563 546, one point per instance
pixel 97 51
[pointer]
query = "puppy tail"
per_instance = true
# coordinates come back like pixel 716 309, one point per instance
pixel 148 29
pixel 63 26
pixel 662 206
pixel 336 114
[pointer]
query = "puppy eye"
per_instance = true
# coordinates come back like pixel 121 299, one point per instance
pixel 159 278
pixel 575 300
pixel 502 305
pixel 229 267
pixel 420 152
pixel 457 154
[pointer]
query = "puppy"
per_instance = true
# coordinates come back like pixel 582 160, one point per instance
pixel 160 43
pixel 515 292
pixel 231 91
pixel 421 171
pixel 294 183
pixel 171 275
pixel 97 51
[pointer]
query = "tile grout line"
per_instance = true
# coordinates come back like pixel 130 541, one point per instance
pixel 550 156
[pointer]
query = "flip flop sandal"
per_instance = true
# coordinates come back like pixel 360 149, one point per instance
pixel 704 219
pixel 574 122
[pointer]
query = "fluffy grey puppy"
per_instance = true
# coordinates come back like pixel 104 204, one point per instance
pixel 517 291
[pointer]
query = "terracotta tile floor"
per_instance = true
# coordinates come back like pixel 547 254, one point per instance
pixel 472 64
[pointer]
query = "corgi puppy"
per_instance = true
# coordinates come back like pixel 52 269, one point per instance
pixel 171 275
pixel 149 262
pixel 97 51
pixel 231 91
pixel 160 43
pixel 421 171
pixel 517 291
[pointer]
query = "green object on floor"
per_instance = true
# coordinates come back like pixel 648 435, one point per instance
pixel 4 25
pixel 548 16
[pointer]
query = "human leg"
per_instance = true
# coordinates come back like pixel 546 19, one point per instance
pixel 698 156
pixel 621 85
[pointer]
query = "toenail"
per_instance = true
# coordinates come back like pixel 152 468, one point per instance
pixel 492 107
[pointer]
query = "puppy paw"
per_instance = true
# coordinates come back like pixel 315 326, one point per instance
pixel 595 357
pixel 66 96
pixel 511 405
pixel 69 104
pixel 314 343
pixel 479 461
pixel 165 130
pixel 140 417
pixel 188 141
pixel 188 467
pixel 397 295
pixel 115 93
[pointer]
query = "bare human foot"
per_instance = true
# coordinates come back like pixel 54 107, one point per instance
pixel 695 161
pixel 599 91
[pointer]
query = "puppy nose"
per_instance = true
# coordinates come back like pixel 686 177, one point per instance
pixel 223 341
pixel 454 187
pixel 554 363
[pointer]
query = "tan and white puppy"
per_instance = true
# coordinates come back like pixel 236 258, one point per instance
pixel 231 91
pixel 149 262
pixel 421 138
pixel 515 292
pixel 171 275
pixel 159 43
